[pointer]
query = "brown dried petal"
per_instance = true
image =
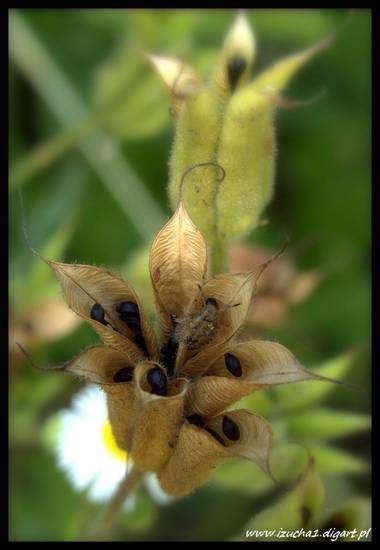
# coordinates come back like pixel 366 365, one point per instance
pixel 210 395
pixel 262 363
pixel 85 285
pixel 157 421
pixel 255 436
pixel 178 263
pixel 196 454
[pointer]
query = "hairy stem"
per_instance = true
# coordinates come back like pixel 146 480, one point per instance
pixel 103 525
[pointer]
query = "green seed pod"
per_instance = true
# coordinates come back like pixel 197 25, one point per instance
pixel 231 124
pixel 246 153
pixel 199 127
pixel 197 135
pixel 235 60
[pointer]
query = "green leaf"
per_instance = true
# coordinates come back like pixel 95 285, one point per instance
pixel 318 424
pixel 310 392
pixel 258 402
pixel 242 476
pixel 330 460
pixel 132 101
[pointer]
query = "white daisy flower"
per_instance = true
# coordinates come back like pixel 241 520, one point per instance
pixel 86 450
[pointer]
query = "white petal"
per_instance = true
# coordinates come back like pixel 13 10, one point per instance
pixel 81 451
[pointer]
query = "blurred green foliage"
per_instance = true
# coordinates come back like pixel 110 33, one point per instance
pixel 74 213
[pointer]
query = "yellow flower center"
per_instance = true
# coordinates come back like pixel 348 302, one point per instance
pixel 110 443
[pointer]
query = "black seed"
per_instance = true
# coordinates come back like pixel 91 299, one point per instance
pixel 216 436
pixel 157 381
pixel 140 342
pixel 123 375
pixel 133 323
pixel 233 364
pixel 230 429
pixel 212 302
pixel 128 310
pixel 196 419
pixel 97 313
pixel 169 354
pixel 235 68
pixel 129 313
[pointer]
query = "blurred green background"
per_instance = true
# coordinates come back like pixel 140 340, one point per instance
pixel 90 136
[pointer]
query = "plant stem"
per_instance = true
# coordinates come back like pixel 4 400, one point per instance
pixel 103 525
pixel 45 154
pixel 218 257
pixel 101 151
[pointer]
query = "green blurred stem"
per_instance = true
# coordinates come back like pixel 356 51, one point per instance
pixel 218 257
pixel 45 154
pixel 100 150
pixel 49 152
pixel 102 527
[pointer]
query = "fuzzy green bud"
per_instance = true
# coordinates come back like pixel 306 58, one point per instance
pixel 246 153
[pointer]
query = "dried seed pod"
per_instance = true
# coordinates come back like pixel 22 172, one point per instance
pixel 210 395
pixel 158 419
pixel 262 364
pixel 178 263
pixel 196 454
pixel 110 369
pixel 90 290
pixel 246 434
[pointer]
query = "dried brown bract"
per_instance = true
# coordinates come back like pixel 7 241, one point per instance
pixel 167 393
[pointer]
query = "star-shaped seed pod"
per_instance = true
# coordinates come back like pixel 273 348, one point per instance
pixel 168 390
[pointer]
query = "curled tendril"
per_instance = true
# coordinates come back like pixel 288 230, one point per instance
pixel 199 165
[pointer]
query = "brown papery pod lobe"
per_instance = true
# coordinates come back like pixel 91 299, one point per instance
pixel 196 455
pixel 114 373
pixel 210 395
pixel 177 264
pixel 121 410
pixel 262 363
pixel 86 286
pixel 157 421
pixel 233 293
pixel 246 435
